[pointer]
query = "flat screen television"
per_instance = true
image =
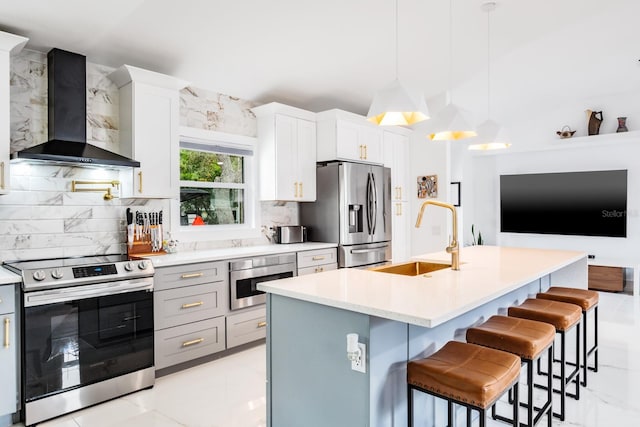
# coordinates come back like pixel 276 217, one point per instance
pixel 592 203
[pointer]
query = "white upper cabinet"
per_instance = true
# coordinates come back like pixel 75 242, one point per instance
pixel 347 136
pixel 286 152
pixel 396 157
pixel 149 131
pixel 9 44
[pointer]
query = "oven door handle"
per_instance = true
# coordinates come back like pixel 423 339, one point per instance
pixel 52 296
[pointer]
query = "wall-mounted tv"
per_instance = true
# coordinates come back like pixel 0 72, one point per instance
pixel 592 203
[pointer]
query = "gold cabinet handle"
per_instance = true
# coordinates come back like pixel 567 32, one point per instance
pixel 193 304
pixel 317 258
pixel 361 151
pixel 365 152
pixel 400 190
pixel 319 269
pixel 398 209
pixel 262 324
pixel 295 189
pixel 140 182
pixel 191 275
pixel 2 175
pixel 192 342
pixel 7 323
pixel 301 193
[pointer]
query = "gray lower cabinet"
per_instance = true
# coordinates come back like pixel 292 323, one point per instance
pixel 317 261
pixel 190 303
pixel 246 325
pixel 8 354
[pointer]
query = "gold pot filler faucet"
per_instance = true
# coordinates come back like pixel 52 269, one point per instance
pixel 453 247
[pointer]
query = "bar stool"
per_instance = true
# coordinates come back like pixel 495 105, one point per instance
pixel 527 339
pixel 563 317
pixel 587 300
pixel 465 374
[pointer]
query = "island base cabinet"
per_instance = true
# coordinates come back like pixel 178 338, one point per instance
pixel 183 343
pixel 603 278
pixel 246 326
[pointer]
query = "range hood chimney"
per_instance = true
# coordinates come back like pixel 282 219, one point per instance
pixel 67 77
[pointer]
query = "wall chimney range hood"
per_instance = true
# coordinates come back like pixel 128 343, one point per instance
pixel 67 78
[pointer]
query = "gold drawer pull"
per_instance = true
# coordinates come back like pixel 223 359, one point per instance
pixel 317 258
pixel 193 304
pixel 6 332
pixel 192 342
pixel 301 192
pixel 319 269
pixel 140 182
pixel 262 324
pixel 191 275
pixel 365 152
pixel 295 189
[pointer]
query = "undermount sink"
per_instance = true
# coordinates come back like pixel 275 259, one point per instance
pixel 415 268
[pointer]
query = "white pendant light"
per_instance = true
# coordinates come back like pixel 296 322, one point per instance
pixel 452 123
pixel 394 105
pixel 491 136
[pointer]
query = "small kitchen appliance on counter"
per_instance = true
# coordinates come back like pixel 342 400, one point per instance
pixel 87 332
pixel 290 234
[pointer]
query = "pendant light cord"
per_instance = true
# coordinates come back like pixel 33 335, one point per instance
pixel 396 29
pixel 488 64
pixel 450 51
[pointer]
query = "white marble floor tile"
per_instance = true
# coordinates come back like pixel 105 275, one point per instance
pixel 231 392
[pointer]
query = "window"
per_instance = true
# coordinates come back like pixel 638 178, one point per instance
pixel 217 186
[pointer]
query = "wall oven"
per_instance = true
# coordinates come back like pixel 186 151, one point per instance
pixel 87 336
pixel 245 274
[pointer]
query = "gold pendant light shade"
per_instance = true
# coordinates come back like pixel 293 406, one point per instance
pixel 491 136
pixel 395 106
pixel 451 124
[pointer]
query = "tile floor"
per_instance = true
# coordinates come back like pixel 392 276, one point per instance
pixel 230 392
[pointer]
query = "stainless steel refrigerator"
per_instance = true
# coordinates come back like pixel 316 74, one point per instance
pixel 352 209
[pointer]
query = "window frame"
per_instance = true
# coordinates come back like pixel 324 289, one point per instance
pixel 251 227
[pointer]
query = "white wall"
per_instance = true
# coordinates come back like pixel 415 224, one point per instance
pixel 608 155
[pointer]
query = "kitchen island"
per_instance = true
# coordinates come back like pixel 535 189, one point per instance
pixel 309 379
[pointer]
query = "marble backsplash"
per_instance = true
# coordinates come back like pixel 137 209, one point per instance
pixel 42 218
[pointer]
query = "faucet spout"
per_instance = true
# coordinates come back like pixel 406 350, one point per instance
pixel 453 247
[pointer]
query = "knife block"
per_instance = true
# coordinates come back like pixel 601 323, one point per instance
pixel 142 248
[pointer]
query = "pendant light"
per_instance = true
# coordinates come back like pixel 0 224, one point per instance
pixel 452 123
pixel 394 104
pixel 491 136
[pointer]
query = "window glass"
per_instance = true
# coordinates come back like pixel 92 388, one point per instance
pixel 212 188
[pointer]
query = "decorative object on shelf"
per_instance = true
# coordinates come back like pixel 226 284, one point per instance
pixel 455 193
pixel 622 125
pixel 565 132
pixel 427 186
pixel 478 241
pixel 595 119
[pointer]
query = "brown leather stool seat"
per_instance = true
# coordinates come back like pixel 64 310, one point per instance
pixel 563 317
pixel 526 338
pixel 466 374
pixel 587 300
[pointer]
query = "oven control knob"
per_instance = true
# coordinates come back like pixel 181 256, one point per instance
pixel 128 266
pixel 142 265
pixel 57 273
pixel 39 275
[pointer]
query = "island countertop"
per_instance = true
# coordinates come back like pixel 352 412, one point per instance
pixel 486 273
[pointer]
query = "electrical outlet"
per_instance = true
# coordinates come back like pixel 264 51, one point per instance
pixel 360 364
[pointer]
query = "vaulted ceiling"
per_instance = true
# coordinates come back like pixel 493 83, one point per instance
pixel 336 53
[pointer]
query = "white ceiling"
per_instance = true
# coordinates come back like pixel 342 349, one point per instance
pixel 318 54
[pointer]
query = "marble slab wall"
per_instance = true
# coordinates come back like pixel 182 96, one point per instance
pixel 42 218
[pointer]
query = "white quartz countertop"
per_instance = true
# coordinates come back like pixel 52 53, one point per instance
pixel 486 273
pixel 7 277
pixel 190 257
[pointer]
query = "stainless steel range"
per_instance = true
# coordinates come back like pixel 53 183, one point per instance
pixel 87 332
